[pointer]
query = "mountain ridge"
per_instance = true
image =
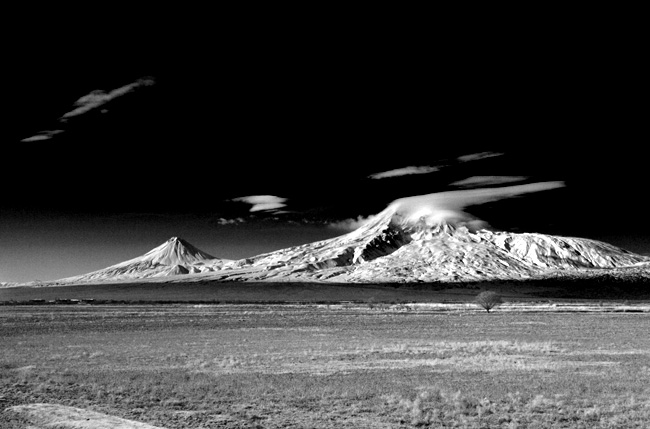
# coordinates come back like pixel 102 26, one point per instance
pixel 389 248
pixel 414 239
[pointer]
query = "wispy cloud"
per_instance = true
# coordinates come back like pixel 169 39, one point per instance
pixel 99 98
pixel 404 171
pixel 477 156
pixel 94 100
pixel 481 181
pixel 43 135
pixel 262 202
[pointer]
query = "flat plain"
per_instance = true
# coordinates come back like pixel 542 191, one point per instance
pixel 360 365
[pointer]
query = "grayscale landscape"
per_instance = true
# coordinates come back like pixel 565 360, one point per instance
pixel 271 222
pixel 177 338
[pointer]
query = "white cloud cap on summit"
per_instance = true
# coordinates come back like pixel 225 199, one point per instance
pixel 262 202
pixel 449 206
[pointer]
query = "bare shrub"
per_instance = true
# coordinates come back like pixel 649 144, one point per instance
pixel 488 300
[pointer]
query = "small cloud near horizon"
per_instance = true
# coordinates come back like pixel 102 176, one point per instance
pixel 424 169
pixel 350 224
pixel 262 202
pixel 234 221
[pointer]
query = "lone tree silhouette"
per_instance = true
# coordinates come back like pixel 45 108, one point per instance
pixel 488 300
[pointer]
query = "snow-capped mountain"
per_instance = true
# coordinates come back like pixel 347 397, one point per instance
pixel 412 242
pixel 173 257
pixel 415 239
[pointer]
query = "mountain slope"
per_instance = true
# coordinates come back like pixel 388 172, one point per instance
pixel 457 254
pixel 414 239
pixel 174 257
pixel 412 242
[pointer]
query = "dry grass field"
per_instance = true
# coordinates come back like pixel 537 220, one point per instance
pixel 329 366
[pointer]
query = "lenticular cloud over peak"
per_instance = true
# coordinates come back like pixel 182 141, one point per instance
pixel 449 207
pixel 446 207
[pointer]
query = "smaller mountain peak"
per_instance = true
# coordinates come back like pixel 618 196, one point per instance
pixel 175 251
pixel 176 241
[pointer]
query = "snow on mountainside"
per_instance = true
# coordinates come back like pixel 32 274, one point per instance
pixel 426 238
pixel 175 256
pixel 409 242
pixel 457 254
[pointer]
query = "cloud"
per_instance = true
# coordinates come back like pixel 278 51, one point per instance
pixel 99 98
pixel 224 221
pixel 404 171
pixel 424 169
pixel 481 181
pixel 477 156
pixel 350 224
pixel 88 102
pixel 450 206
pixel 43 135
pixel 262 202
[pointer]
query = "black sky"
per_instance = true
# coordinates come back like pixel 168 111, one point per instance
pixel 309 119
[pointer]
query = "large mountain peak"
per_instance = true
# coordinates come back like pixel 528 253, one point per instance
pixel 427 238
pixel 430 238
pixel 426 212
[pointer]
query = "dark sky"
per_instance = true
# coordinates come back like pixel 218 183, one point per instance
pixel 109 151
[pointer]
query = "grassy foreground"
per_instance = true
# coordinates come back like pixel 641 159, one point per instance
pixel 337 366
